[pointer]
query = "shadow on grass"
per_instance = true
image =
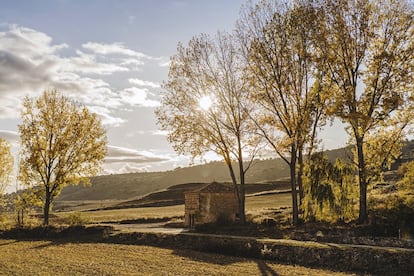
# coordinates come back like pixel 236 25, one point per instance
pixel 52 236
pixel 224 260
pixel 265 270
pixel 7 243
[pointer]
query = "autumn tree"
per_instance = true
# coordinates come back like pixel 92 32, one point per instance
pixel 6 165
pixel 329 189
pixel 205 107
pixel 406 185
pixel 62 144
pixel 285 82
pixel 367 47
pixel 24 203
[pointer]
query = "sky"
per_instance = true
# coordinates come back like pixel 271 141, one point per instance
pixel 111 56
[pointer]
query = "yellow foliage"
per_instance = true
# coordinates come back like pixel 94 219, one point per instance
pixel 6 165
pixel 62 144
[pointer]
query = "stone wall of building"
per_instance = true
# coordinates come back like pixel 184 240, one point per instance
pixel 192 208
pixel 213 203
pixel 216 207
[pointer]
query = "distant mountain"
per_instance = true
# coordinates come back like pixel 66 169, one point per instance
pixel 137 185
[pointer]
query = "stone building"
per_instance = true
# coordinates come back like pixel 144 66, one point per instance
pixel 209 204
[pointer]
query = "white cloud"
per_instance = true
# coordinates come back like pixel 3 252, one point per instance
pixel 160 132
pixel 87 64
pixel 106 117
pixel 111 49
pixel 125 160
pixel 143 83
pixel 137 96
pixel 164 63
pixel 11 136
pixel 30 62
pixel 133 63
pixel 120 154
pixel 31 46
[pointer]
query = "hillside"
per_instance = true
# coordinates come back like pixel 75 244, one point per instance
pixel 125 186
pixel 136 185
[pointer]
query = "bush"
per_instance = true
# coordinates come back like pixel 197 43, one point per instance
pixel 77 219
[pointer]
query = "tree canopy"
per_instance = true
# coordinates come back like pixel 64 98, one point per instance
pixel 206 107
pixel 6 165
pixel 62 144
pixel 368 52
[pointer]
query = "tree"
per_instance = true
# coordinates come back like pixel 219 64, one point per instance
pixel 329 189
pixel 205 107
pixel 367 47
pixel 24 203
pixel 6 165
pixel 406 185
pixel 62 144
pixel 281 69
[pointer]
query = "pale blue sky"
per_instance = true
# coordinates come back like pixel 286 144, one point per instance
pixel 110 55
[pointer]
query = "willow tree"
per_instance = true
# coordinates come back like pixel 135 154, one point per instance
pixel 205 107
pixel 368 48
pixel 286 84
pixel 62 144
pixel 6 165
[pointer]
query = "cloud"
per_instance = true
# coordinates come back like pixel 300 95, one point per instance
pixel 111 49
pixel 87 64
pixel 11 136
pixel 156 132
pixel 106 117
pixel 143 83
pixel 30 62
pixel 32 45
pixel 164 63
pixel 119 154
pixel 125 160
pixel 137 96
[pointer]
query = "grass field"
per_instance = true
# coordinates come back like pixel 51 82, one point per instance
pixel 132 213
pixel 48 258
pixel 254 205
pixel 271 201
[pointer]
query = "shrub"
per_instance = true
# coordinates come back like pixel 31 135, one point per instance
pixel 77 219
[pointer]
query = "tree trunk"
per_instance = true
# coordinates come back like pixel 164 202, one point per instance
pixel 300 178
pixel 363 214
pixel 46 209
pixel 240 201
pixel 292 166
pixel 242 208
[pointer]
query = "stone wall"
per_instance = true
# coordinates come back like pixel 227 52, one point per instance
pixel 209 207
pixel 192 207
pixel 217 207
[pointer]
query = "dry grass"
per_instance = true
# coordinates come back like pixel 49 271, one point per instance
pixel 134 213
pixel 48 258
pixel 272 201
pixel 254 205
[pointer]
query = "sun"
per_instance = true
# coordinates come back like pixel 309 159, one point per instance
pixel 205 102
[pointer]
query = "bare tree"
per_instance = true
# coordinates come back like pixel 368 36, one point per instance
pixel 205 107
